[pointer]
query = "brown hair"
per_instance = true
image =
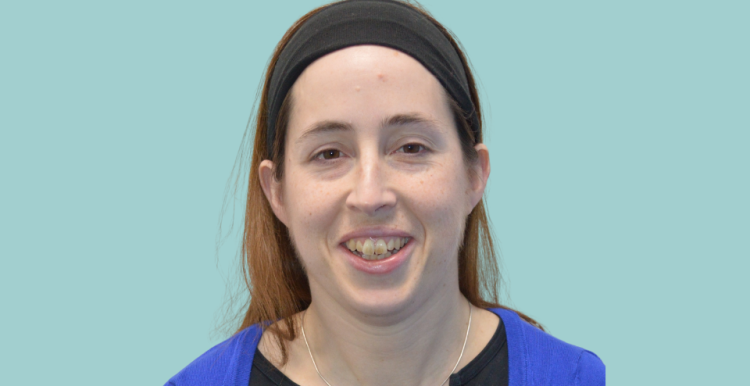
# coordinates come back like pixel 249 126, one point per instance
pixel 277 283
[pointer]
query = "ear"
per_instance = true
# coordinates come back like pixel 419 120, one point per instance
pixel 480 175
pixel 272 189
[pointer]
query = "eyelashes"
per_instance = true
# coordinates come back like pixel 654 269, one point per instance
pixel 412 149
pixel 328 154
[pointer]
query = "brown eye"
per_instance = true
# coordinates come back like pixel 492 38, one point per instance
pixel 330 154
pixel 412 148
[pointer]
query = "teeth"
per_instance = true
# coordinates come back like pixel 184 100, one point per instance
pixel 380 247
pixel 368 248
pixel 376 249
pixel 376 257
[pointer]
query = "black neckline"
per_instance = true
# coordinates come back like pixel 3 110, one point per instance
pixel 466 374
pixel 484 358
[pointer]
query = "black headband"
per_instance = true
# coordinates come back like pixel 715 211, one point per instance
pixel 379 22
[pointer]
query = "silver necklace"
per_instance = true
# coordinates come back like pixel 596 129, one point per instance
pixel 468 328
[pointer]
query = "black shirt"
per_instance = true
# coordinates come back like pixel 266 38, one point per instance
pixel 490 367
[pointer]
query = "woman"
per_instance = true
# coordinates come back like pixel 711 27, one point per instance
pixel 367 248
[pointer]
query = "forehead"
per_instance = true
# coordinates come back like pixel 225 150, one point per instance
pixel 362 85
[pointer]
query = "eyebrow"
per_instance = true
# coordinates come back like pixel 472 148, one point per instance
pixel 394 120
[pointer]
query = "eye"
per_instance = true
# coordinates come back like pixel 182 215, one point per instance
pixel 328 154
pixel 412 148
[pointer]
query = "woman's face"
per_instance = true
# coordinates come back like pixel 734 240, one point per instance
pixel 373 158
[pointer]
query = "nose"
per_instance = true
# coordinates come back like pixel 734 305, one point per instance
pixel 371 193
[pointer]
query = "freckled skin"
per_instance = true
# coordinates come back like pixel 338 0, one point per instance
pixel 374 182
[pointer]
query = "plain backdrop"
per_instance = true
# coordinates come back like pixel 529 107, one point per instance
pixel 619 135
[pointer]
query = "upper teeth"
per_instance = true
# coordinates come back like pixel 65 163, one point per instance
pixel 370 246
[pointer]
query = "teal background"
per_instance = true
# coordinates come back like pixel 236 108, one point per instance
pixel 619 190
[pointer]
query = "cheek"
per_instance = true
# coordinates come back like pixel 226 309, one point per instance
pixel 311 208
pixel 439 197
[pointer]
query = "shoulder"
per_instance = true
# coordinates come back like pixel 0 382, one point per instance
pixel 227 363
pixel 538 358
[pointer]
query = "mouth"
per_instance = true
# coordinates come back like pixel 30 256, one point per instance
pixel 377 255
pixel 374 248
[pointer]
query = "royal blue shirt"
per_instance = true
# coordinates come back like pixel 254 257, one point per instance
pixel 535 358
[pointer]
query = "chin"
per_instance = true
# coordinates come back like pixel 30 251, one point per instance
pixel 381 302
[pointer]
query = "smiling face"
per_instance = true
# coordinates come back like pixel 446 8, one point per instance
pixel 373 158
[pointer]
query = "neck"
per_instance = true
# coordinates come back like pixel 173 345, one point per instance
pixel 418 345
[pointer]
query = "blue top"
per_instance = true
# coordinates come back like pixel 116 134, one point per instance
pixel 535 358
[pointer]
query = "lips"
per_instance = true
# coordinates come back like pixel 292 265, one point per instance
pixel 382 265
pixel 374 233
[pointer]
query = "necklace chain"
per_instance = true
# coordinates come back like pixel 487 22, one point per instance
pixel 468 328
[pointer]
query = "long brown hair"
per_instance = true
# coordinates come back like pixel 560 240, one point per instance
pixel 277 283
